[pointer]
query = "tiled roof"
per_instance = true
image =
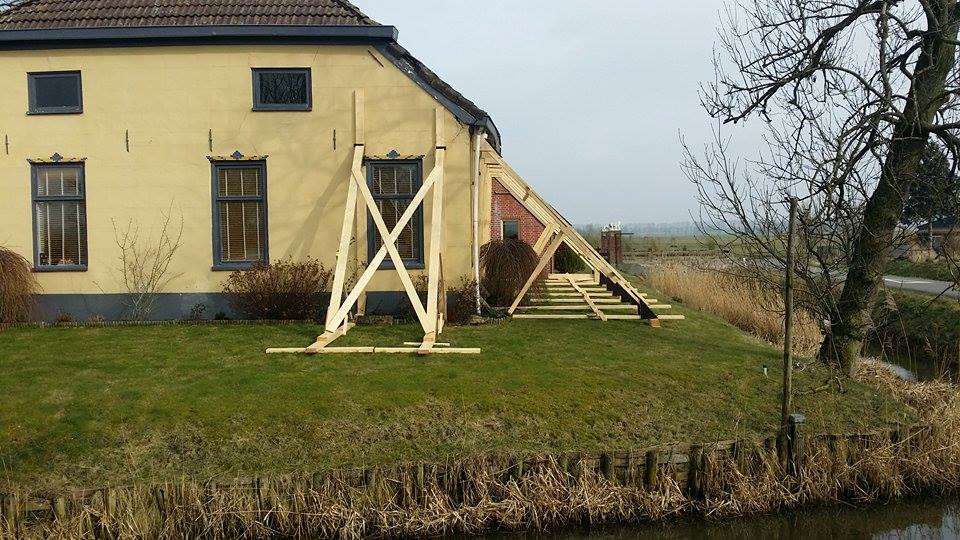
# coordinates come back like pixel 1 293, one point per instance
pixel 56 14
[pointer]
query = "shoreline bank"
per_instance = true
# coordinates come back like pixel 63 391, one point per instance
pixel 504 493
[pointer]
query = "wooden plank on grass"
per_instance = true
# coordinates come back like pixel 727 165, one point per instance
pixel 552 316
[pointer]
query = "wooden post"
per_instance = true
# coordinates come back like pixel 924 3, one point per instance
pixel 651 470
pixel 9 512
pixel 786 398
pixel 694 480
pixel 795 444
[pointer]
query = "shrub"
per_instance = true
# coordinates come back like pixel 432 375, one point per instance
pixel 462 302
pixel 17 288
pixel 64 317
pixel 283 290
pixel 505 265
pixel 566 261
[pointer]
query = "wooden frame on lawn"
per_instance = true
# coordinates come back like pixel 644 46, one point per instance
pixel 431 316
pixel 559 231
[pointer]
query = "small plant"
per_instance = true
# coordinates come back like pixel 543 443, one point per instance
pixel 144 264
pixel 505 266
pixel 221 316
pixel 197 311
pixel 64 318
pixel 284 290
pixel 17 288
pixel 462 302
pixel 96 319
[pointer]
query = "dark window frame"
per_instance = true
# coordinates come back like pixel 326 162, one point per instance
pixel 417 263
pixel 215 167
pixel 37 199
pixel 33 108
pixel 258 105
pixel 503 228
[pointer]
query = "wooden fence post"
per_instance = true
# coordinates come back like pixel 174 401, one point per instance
pixel 795 444
pixel 9 512
pixel 694 479
pixel 651 470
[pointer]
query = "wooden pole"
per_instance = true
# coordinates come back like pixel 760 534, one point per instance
pixel 785 403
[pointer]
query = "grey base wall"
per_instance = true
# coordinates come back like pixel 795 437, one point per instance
pixel 176 306
pixel 114 307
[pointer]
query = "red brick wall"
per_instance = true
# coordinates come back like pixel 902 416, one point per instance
pixel 505 206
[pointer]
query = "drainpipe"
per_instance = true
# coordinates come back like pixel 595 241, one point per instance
pixel 475 200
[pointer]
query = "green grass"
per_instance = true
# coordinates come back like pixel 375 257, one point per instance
pixel 936 270
pixel 104 406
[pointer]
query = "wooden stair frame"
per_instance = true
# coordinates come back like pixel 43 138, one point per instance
pixel 432 316
pixel 558 230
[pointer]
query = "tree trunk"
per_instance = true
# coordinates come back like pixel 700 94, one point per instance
pixel 844 342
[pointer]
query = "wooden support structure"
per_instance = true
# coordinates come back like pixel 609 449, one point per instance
pixel 587 299
pixel 432 316
pixel 558 230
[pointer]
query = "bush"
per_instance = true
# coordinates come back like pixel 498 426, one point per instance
pixel 566 261
pixel 505 265
pixel 462 302
pixel 284 290
pixel 17 288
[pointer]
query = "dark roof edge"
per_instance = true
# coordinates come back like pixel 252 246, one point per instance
pixel 466 111
pixel 31 39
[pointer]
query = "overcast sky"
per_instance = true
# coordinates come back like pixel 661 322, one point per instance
pixel 589 96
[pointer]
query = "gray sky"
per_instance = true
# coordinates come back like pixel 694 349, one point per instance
pixel 589 96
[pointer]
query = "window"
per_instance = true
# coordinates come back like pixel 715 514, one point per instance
pixel 393 185
pixel 59 217
pixel 511 229
pixel 282 89
pixel 54 92
pixel 239 214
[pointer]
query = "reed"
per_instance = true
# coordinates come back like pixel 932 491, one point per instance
pixel 746 304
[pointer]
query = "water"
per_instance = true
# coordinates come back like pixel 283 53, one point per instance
pixel 908 520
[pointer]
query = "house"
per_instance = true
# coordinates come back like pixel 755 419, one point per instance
pixel 244 121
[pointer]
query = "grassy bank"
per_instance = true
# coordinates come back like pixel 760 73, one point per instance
pixel 532 492
pixel 92 407
pixel 919 331
pixel 936 270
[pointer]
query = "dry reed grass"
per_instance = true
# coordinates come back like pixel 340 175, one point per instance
pixel 17 288
pixel 743 303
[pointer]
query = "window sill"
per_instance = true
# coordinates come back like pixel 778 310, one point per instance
pixel 409 265
pixel 297 109
pixel 51 269
pixel 48 113
pixel 234 267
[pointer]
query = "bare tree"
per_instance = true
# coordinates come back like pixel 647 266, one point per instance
pixel 144 265
pixel 852 90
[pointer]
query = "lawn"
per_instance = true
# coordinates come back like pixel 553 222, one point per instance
pixel 87 407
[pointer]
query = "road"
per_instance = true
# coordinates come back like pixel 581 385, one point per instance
pixel 921 285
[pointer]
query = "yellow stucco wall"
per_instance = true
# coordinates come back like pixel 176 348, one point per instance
pixel 168 98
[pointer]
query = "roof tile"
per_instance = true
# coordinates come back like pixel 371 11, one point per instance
pixel 51 14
